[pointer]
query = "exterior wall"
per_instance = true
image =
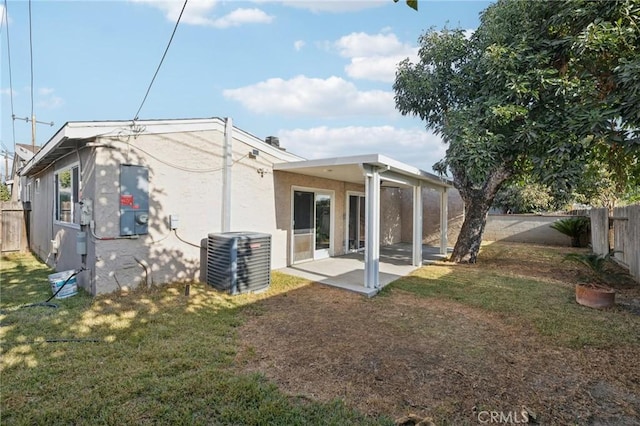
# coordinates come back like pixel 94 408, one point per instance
pixel 185 180
pixel 525 229
pixel 431 216
pixel 391 223
pixel 43 228
pixel 285 181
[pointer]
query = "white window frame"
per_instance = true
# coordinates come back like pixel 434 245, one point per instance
pixel 27 192
pixel 346 220
pixel 74 195
pixel 332 218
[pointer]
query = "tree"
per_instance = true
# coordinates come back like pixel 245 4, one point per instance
pixel 611 176
pixel 524 197
pixel 413 4
pixel 5 195
pixel 518 97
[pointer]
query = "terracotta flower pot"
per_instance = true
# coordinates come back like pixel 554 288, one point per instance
pixel 595 297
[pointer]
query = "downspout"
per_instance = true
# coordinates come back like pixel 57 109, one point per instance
pixel 227 162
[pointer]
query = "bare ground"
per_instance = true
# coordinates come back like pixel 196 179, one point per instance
pixel 399 354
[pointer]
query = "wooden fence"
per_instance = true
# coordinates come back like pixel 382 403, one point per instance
pixel 13 227
pixel 625 238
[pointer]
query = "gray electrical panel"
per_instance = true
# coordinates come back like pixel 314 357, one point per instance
pixel 134 200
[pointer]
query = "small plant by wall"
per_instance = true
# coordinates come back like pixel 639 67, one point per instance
pixel 575 227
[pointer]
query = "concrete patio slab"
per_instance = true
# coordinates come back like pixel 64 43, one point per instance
pixel 347 272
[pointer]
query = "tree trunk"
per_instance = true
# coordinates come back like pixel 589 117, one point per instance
pixel 477 202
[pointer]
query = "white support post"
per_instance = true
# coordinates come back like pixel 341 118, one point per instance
pixel 444 216
pixel 372 229
pixel 417 225
pixel 227 162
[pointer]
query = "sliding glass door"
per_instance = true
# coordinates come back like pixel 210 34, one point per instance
pixel 355 231
pixel 311 225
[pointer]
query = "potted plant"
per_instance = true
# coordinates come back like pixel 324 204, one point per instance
pixel 595 293
pixel 574 227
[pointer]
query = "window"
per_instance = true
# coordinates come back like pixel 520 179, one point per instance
pixel 37 185
pixel 66 189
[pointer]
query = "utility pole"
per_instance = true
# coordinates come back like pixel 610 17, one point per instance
pixel 33 133
pixel 33 127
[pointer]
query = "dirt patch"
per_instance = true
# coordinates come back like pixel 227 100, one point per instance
pixel 397 354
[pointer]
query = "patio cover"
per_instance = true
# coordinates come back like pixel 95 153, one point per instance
pixel 374 171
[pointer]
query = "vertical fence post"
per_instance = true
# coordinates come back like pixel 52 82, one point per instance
pixel 600 230
pixel 633 233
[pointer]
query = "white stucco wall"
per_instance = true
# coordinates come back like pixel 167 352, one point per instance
pixel 185 180
pixel 524 228
pixel 44 229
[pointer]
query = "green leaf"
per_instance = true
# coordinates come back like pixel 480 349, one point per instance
pixel 413 4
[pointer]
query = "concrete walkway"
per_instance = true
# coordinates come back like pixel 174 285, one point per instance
pixel 347 272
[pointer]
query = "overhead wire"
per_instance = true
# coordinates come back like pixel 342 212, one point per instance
pixel 13 115
pixel 161 60
pixel 183 168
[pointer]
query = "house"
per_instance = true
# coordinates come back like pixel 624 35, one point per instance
pixel 134 202
pixel 19 190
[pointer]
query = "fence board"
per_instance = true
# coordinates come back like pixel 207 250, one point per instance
pixel 12 227
pixel 620 235
pixel 600 230
pixel 633 247
pixel 626 235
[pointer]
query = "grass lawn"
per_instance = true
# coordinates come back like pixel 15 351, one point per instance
pixel 531 286
pixel 149 356
pixel 445 342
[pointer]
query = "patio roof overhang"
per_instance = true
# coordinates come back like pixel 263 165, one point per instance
pixel 375 171
pixel 352 169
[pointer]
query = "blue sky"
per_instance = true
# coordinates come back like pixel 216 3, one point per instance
pixel 318 75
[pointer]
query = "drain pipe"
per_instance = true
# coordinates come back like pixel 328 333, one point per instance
pixel 226 176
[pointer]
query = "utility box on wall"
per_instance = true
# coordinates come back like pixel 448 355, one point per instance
pixel 134 200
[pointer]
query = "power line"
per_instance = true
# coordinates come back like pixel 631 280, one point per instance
pixel 13 122
pixel 161 60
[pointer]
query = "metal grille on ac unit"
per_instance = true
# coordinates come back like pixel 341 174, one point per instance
pixel 239 262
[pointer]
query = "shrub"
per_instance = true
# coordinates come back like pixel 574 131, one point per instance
pixel 574 227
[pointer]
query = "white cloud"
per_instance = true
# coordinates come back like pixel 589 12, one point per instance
pixel 335 6
pixel 242 16
pixel 8 92
pixel 374 56
pixel 199 12
pixel 195 13
pixel 4 18
pixel 415 146
pixel 362 44
pixel 375 68
pixel 298 44
pixel 315 97
pixel 47 99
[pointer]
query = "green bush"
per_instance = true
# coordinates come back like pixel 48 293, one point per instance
pixel 574 227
